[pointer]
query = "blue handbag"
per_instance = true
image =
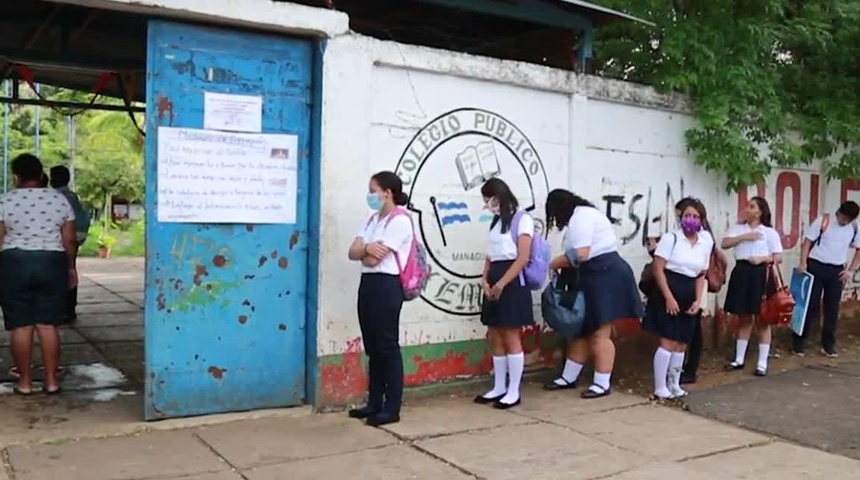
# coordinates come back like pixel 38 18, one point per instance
pixel 563 304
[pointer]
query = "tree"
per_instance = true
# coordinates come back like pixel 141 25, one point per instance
pixel 110 161
pixel 772 83
pixel 108 148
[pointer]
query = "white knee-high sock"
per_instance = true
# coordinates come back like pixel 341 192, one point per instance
pixel 500 375
pixel 676 364
pixel 570 373
pixel 741 351
pixel 600 380
pixel 516 365
pixel 662 357
pixel 763 352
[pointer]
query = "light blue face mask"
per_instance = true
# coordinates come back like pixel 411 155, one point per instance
pixel 374 201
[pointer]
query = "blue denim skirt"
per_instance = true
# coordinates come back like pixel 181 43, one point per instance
pixel 33 287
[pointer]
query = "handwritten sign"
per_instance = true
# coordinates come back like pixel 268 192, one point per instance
pixel 206 176
pixel 233 113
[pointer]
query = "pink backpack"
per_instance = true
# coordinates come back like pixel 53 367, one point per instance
pixel 415 273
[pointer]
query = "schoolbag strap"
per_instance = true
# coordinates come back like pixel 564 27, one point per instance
pixel 397 212
pixel 825 224
pixel 515 228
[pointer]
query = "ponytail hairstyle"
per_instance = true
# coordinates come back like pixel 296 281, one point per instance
pixel 391 182
pixel 508 204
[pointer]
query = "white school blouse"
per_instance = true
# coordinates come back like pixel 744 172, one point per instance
pixel 397 236
pixel 589 227
pixel 684 258
pixel 768 244
pixel 501 246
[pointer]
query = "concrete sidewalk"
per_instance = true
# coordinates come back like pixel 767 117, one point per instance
pixel 551 435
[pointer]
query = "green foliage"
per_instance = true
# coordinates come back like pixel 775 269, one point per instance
pixel 773 83
pixel 108 150
pixel 126 238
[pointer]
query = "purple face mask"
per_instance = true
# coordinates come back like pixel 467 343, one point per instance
pixel 691 224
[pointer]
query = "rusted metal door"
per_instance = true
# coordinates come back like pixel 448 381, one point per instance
pixel 225 303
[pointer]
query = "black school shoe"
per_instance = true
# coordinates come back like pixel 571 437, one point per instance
pixel 589 393
pixel 482 400
pixel 552 385
pixel 381 419
pixel 500 405
pixel 687 379
pixel 363 412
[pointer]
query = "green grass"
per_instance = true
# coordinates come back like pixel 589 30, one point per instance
pixel 129 239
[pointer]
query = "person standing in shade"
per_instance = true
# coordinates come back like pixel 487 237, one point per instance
pixel 680 262
pixel 60 178
pixel 756 245
pixel 37 267
pixel 508 304
pixel 382 245
pixel 606 281
pixel 823 253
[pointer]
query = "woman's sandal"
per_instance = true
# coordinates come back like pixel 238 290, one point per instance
pixel 596 391
pixel 55 391
pixel 24 393
pixel 16 373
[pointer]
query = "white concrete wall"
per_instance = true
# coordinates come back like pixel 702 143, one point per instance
pixel 620 145
pixel 414 110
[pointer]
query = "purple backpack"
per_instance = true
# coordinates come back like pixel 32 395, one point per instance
pixel 536 271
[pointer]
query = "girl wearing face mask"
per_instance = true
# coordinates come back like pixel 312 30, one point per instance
pixel 507 303
pixel 382 245
pixel 756 245
pixel 680 262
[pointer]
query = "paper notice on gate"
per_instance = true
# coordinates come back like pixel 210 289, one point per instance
pixel 232 113
pixel 206 176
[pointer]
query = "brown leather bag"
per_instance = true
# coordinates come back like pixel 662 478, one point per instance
pixel 716 274
pixel 777 307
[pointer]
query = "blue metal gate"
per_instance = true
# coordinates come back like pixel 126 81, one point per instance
pixel 226 304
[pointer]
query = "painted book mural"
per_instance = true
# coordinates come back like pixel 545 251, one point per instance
pixel 443 168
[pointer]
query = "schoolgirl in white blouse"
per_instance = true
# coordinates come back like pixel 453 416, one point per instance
pixel 384 241
pixel 507 304
pixel 680 262
pixel 756 245
pixel 606 281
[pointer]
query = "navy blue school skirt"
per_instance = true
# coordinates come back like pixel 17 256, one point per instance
pixel 514 307
pixel 680 327
pixel 746 288
pixel 610 291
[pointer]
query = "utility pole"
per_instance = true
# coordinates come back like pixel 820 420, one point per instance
pixel 6 137
pixel 38 126
pixel 71 126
